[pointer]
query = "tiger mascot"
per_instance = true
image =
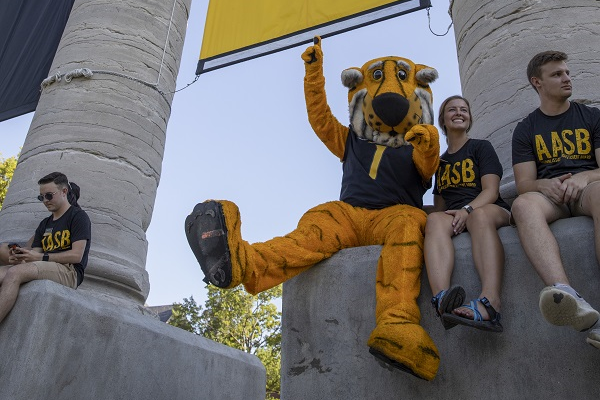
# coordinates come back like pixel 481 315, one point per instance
pixel 389 154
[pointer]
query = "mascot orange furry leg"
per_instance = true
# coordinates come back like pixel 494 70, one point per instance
pixel 227 260
pixel 398 338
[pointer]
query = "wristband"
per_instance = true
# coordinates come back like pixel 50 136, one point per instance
pixel 45 257
pixel 468 208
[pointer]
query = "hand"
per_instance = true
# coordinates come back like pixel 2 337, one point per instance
pixel 555 188
pixel 313 55
pixel 424 138
pixel 24 256
pixel 573 187
pixel 459 222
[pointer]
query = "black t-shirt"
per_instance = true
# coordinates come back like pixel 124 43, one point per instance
pixel 57 236
pixel 558 144
pixel 458 178
pixel 377 176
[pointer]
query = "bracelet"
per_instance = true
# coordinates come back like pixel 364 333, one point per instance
pixel 45 257
pixel 468 208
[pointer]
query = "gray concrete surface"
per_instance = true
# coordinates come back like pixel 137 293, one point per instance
pixel 61 344
pixel 494 42
pixel 106 133
pixel 328 313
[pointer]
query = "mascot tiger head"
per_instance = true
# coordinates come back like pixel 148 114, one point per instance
pixel 387 97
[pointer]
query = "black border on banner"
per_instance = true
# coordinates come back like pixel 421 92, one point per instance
pixel 201 62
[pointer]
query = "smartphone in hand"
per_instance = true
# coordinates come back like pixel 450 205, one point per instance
pixel 14 247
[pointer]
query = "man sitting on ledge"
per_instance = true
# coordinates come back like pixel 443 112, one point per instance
pixel 59 249
pixel 555 154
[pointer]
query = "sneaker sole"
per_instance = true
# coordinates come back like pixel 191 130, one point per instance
pixel 207 236
pixel 561 308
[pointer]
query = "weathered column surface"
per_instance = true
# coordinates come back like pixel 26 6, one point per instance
pixel 496 39
pixel 106 133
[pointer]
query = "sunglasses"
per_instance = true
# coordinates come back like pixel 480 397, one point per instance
pixel 48 196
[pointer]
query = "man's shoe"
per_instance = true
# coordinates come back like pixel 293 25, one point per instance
pixel 593 338
pixel 564 306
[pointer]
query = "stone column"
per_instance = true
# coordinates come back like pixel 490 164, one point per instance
pixel 106 133
pixel 496 39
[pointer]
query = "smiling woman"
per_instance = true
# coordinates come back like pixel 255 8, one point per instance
pixel 466 197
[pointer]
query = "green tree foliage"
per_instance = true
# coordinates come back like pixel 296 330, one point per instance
pixel 240 320
pixel 7 168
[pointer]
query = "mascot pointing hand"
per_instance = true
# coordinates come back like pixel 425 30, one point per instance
pixel 389 153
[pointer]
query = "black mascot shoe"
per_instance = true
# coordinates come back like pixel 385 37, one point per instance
pixel 388 362
pixel 207 236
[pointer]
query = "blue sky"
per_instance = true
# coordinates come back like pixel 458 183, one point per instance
pixel 241 133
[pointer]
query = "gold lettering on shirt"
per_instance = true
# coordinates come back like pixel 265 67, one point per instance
pixel 582 136
pixel 459 174
pixel 566 145
pixel 557 146
pixel 468 172
pixel 542 150
pixel 60 240
pixel 456 173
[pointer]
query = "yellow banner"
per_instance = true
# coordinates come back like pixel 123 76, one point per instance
pixel 238 30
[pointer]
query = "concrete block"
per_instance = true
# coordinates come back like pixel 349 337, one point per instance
pixel 328 314
pixel 62 344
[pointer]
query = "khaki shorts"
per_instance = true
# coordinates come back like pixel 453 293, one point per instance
pixel 573 209
pixel 64 274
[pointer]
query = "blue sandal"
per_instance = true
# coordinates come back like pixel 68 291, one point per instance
pixel 446 301
pixel 491 325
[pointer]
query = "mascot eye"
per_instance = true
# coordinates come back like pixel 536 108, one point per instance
pixel 402 75
pixel 377 74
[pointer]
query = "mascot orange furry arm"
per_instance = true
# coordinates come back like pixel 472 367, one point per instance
pixel 389 152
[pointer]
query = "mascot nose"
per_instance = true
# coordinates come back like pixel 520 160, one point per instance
pixel 391 108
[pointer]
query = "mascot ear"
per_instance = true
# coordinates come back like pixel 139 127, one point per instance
pixel 351 77
pixel 425 75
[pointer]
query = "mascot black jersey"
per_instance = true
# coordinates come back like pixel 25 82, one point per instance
pixel 376 176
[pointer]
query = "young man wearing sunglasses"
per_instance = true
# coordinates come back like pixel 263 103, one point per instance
pixel 59 249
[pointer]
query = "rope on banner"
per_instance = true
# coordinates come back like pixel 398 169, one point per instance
pixel 449 26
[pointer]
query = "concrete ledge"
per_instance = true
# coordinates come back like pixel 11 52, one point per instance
pixel 328 314
pixel 58 343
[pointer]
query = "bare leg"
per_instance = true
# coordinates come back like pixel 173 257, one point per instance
pixel 4 253
pixel 533 213
pixel 3 271
pixel 488 255
pixel 13 279
pixel 439 251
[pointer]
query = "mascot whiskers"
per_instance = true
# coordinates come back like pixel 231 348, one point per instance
pixel 389 153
